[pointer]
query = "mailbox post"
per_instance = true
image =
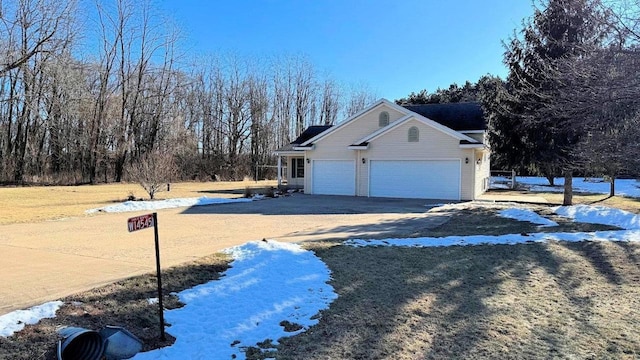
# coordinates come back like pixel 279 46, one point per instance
pixel 143 222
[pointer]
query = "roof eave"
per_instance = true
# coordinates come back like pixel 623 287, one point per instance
pixel 358 147
pixel 287 152
pixel 472 146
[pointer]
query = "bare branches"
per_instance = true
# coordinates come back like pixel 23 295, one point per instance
pixel 64 119
pixel 153 171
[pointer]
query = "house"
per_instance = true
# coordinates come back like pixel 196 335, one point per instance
pixel 433 151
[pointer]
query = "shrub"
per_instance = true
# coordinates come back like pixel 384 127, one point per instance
pixel 270 192
pixel 153 171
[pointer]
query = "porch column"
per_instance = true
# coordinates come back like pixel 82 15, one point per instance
pixel 279 170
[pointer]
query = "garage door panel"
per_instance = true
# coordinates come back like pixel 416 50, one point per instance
pixel 334 177
pixel 421 179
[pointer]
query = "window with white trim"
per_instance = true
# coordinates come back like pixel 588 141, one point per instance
pixel 297 168
pixel 383 119
pixel 413 134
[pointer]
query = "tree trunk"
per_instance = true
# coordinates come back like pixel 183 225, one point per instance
pixel 551 179
pixel 612 186
pixel 568 188
pixel 119 166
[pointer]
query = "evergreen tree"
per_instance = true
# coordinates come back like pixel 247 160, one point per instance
pixel 454 94
pixel 562 30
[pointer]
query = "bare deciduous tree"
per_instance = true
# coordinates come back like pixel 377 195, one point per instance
pixel 85 120
pixel 153 171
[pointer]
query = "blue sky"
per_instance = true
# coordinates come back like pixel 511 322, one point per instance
pixel 395 47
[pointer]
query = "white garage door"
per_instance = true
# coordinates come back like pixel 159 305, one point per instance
pixel 420 179
pixel 334 177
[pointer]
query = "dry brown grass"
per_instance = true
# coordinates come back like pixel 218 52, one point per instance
pixel 121 304
pixel 529 301
pixel 39 203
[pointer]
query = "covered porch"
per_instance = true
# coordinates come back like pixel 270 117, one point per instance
pixel 291 169
pixel 292 159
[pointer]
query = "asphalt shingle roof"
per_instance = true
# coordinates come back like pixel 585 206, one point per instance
pixel 456 116
pixel 309 133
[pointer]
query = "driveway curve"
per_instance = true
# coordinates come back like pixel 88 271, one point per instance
pixel 49 260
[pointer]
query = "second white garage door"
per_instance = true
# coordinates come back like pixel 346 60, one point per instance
pixel 334 177
pixel 420 179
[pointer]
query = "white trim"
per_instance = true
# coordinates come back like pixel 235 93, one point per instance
pixel 419 159
pixel 472 146
pixel 370 108
pixel 473 131
pixel 288 153
pixel 357 174
pixel 279 170
pixel 358 147
pixel 303 148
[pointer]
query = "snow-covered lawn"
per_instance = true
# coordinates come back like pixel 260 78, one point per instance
pixel 270 283
pixel 582 213
pixel 16 320
pixel 600 215
pixel 164 204
pixel 510 239
pixel 627 187
pixel 526 215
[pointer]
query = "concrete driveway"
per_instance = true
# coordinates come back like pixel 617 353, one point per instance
pixel 49 260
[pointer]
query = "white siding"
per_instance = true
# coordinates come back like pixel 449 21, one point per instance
pixel 394 145
pixel 335 146
pixel 483 172
pixel 433 145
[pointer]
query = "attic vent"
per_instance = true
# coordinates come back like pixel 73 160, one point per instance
pixel 413 134
pixel 383 119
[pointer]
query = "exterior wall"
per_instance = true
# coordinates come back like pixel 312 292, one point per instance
pixel 483 172
pixel 362 173
pixel 291 181
pixel 335 146
pixel 354 131
pixel 393 145
pixel 432 145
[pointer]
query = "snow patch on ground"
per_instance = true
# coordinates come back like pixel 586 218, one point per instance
pixel 268 282
pixel 164 204
pixel 526 215
pixel 600 215
pixel 16 320
pixel 582 213
pixel 510 239
pixel 627 187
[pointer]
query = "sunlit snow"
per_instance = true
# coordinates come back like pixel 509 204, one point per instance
pixel 16 320
pixel 164 204
pixel 271 282
pixel 526 215
pixel 268 282
pixel 627 187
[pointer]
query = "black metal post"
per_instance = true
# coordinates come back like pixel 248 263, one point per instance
pixel 161 307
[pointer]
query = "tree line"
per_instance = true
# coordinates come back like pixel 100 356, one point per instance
pixel 85 106
pixel 571 100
